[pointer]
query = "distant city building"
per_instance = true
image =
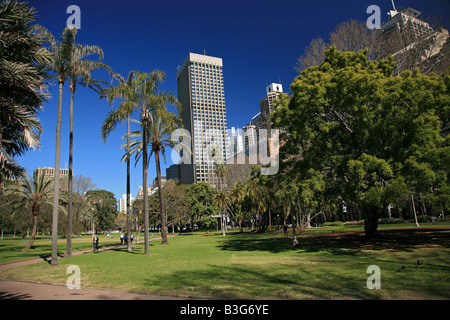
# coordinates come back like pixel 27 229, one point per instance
pixel 123 203
pixel 413 42
pixel 201 94
pixel 267 104
pixel 257 120
pixel 250 134
pixel 140 194
pixel 235 142
pixel 408 23
pixel 49 173
pixel 174 172
pixel 155 182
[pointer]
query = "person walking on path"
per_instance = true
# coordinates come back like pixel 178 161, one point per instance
pixel 131 238
pixel 95 241
pixel 121 239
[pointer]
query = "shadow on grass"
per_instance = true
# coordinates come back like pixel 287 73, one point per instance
pixel 341 244
pixel 258 282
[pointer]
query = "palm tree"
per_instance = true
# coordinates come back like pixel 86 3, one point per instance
pixel 220 200
pixel 160 126
pixel 22 86
pixel 124 91
pixel 32 194
pixel 257 193
pixel 80 73
pixel 144 97
pixel 237 196
pixel 61 53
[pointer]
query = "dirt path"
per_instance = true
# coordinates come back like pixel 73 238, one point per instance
pixel 26 290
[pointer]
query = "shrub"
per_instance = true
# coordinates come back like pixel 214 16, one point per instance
pixel 335 223
pixel 391 221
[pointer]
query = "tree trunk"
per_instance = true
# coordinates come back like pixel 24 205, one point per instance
pixel 70 179
pixel 54 256
pixel 414 209
pixel 161 200
pixel 270 220
pixel 33 231
pixel 128 186
pixel 145 184
pixel 371 223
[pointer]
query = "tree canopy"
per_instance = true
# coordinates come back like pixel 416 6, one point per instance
pixel 374 137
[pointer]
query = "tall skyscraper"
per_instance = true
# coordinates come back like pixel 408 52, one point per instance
pixel 267 104
pixel 201 93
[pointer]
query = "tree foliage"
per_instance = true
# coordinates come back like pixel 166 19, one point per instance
pixel 373 136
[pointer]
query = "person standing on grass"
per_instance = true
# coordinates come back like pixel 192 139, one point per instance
pixel 121 239
pixel 95 241
pixel 131 238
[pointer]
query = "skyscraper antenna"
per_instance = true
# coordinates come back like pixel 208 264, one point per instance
pixel 393 5
pixel 204 52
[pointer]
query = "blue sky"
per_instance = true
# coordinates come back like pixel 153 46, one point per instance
pixel 258 40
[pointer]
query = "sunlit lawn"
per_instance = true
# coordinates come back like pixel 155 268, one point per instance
pixel 267 266
pixel 11 248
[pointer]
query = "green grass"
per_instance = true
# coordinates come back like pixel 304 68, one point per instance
pixel 266 266
pixel 11 249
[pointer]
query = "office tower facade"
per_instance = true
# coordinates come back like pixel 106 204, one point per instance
pixel 201 94
pixel 123 203
pixel 173 173
pixel 250 137
pixel 49 173
pixel 407 22
pixel 267 104
pixel 414 43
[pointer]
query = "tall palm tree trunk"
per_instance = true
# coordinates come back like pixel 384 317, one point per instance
pixel 128 186
pixel 70 180
pixel 33 230
pixel 54 257
pixel 145 183
pixel 161 200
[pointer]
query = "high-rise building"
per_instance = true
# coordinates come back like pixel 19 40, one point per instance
pixel 123 203
pixel 201 93
pixel 412 42
pixel 408 23
pixel 49 173
pixel 267 104
pixel 173 172
pixel 140 194
pixel 250 137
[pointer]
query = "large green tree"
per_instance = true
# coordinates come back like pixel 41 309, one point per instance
pixel 359 126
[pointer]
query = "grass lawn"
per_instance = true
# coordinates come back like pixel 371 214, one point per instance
pixel 11 248
pixel 329 263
